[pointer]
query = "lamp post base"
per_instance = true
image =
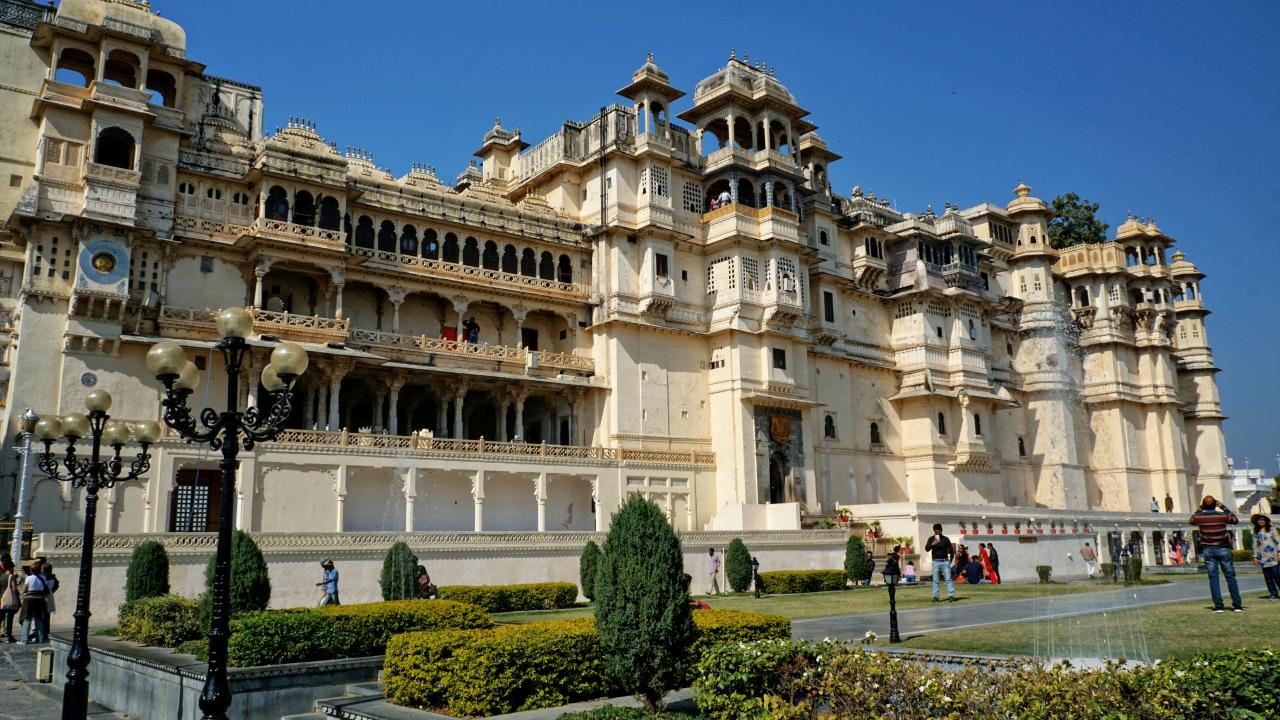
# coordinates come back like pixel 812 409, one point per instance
pixel 894 637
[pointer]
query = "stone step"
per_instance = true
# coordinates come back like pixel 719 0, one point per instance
pixel 365 689
pixel 306 716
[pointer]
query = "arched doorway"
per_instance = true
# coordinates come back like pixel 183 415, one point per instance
pixel 779 469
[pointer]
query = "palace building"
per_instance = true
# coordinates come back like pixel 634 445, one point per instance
pixel 667 298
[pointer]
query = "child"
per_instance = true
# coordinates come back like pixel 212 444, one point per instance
pixel 909 573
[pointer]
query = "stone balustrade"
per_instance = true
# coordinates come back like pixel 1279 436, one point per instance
pixel 305 235
pixel 766 223
pixel 452 271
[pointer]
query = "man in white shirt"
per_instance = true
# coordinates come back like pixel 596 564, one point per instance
pixel 713 569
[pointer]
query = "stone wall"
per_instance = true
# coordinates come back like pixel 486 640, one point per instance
pixel 451 558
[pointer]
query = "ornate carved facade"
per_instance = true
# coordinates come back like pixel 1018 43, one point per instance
pixel 679 306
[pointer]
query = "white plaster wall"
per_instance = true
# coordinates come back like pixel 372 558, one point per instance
pixel 188 287
pixel 509 503
pixel 443 502
pixel 375 500
pixel 299 498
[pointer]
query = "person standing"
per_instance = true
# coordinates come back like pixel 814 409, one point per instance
pixel 871 568
pixel 1266 553
pixel 1090 558
pixel 1155 506
pixel 1168 503
pixel 713 570
pixel 1212 519
pixel 329 583
pixel 941 552
pixel 35 607
pixel 10 599
pixel 891 566
pixel 995 561
pixel 988 568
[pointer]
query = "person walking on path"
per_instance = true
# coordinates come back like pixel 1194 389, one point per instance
pixel 1090 558
pixel 1266 553
pixel 329 583
pixel 10 600
pixel 35 607
pixel 713 570
pixel 995 560
pixel 942 552
pixel 1212 519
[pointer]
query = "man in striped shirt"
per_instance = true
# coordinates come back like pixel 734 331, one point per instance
pixel 1212 520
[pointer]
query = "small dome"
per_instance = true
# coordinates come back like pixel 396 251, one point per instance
pixel 741 75
pixel 95 12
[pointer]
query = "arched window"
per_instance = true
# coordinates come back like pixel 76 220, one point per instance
pixel 829 426
pixel 75 67
pixel 450 253
pixel 114 148
pixel 471 252
pixel 1022 447
pixel 875 434
pixel 162 87
pixel 1136 297
pixel 510 263
pixel 942 424
pixel 121 69
pixel 214 194
pixel 822 238
pixel 186 188
pixel 977 424
pixel 489 260
pixel 1082 297
pixel 387 236
pixel 346 227
pixel 430 245
pixel 528 263
pixel 364 232
pixel 329 215
pixel 277 204
pixel 304 208
pixel 409 240
pixel 564 269
pixel 547 267
pixel 746 193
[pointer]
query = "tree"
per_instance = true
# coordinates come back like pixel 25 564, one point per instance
pixel 397 578
pixel 250 583
pixel 737 566
pixel 588 563
pixel 855 560
pixel 148 573
pixel 642 603
pixel 1074 222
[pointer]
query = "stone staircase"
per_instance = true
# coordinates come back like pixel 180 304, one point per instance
pixel 362 701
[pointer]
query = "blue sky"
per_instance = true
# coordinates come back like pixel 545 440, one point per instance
pixel 1168 109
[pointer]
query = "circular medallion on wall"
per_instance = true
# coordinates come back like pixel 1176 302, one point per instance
pixel 104 262
pixel 88 379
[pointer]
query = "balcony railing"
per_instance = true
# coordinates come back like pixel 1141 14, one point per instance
pixel 427 446
pixel 518 356
pixel 764 223
pixel 289 325
pixel 304 235
pixel 449 270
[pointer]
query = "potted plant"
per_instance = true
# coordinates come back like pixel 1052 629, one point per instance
pixel 1017 528
pixel 1004 528
pixel 873 531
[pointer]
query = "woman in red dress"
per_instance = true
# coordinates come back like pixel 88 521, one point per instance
pixel 986 564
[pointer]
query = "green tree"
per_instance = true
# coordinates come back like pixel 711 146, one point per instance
pixel 737 566
pixel 1075 223
pixel 588 563
pixel 250 583
pixel 148 573
pixel 855 559
pixel 642 603
pixel 397 578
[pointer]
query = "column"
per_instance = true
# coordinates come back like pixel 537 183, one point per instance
pixel 460 308
pixel 340 495
pixel 540 494
pixel 339 280
pixel 394 384
pixel 519 397
pixel 503 407
pixel 380 410
pixel 254 380
pixel 337 371
pixel 308 407
pixel 396 296
pixel 110 524
pixel 259 273
pixel 768 140
pixel 442 414
pixel 730 118
pixel 733 186
pixel 410 493
pixel 477 494
pixel 458 397
pixel 768 190
pixel 573 400
pixel 322 405
pixel 246 488
pixel 595 503
pixel 519 314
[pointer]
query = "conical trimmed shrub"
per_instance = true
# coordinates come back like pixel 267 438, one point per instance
pixel 250 583
pixel 148 573
pixel 588 563
pixel 397 578
pixel 855 559
pixel 642 604
pixel 737 566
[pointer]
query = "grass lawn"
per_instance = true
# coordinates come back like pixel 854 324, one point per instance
pixel 844 602
pixel 1157 631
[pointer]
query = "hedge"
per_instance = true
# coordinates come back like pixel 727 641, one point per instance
pixel 1239 555
pixel 779 582
pixel 165 620
pixel 780 679
pixel 513 598
pixel 524 667
pixel 272 637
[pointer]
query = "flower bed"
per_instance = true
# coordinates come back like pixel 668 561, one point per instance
pixel 781 679
pixel 781 582
pixel 272 637
pixel 524 667
pixel 513 598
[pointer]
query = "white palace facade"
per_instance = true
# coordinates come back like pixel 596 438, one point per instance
pixel 670 302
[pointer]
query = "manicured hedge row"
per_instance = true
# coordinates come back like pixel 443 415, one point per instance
pixel 524 667
pixel 511 598
pixel 780 582
pixel 780 679
pixel 271 637
pixel 166 620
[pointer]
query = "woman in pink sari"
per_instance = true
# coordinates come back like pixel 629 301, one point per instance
pixel 986 564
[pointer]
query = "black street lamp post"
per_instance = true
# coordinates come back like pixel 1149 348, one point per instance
pixel 891 581
pixel 225 431
pixel 755 575
pixel 93 474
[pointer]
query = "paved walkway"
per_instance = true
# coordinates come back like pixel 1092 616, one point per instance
pixel 957 615
pixel 22 698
